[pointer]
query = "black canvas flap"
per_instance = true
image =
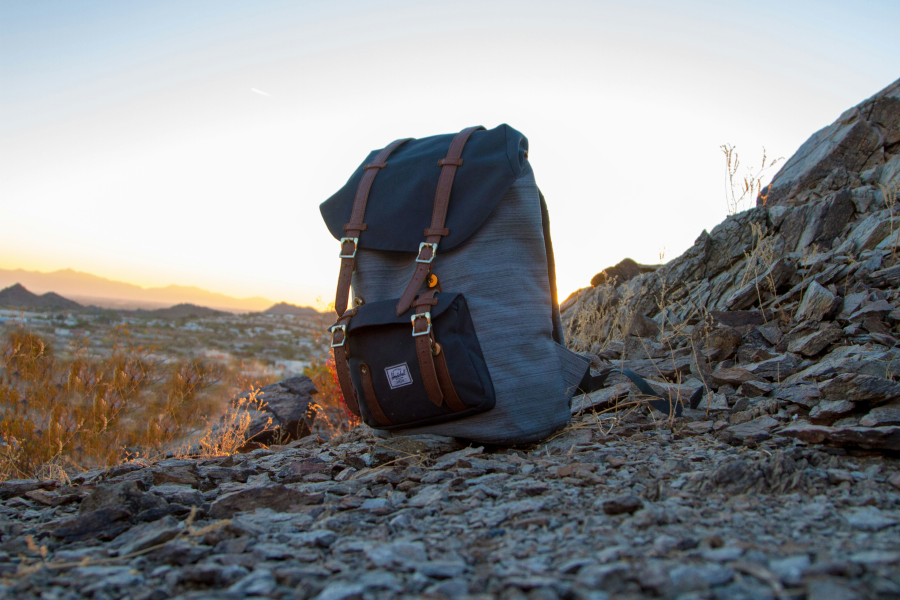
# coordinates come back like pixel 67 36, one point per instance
pixel 402 196
pixel 385 313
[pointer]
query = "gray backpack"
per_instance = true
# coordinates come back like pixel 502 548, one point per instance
pixel 454 328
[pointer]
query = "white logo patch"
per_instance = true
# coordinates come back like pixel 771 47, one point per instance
pixel 398 376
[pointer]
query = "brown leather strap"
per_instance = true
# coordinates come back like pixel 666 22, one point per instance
pixel 425 258
pixel 341 363
pixel 374 407
pixel 443 375
pixel 356 225
pixel 423 300
pixel 424 342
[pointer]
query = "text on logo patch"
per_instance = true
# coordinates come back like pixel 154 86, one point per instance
pixel 398 376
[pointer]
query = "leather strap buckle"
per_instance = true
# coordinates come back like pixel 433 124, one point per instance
pixel 343 330
pixel 427 317
pixel 354 241
pixel 424 245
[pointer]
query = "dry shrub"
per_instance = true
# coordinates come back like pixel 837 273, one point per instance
pixel 332 415
pixel 93 411
pixel 737 193
pixel 229 434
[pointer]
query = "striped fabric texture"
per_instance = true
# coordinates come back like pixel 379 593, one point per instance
pixel 502 271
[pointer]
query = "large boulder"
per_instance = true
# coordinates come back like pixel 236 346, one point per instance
pixel 284 411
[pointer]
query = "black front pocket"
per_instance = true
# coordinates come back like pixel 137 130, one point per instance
pixel 386 373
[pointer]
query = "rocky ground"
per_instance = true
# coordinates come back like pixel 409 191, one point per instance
pixel 615 506
pixel 784 482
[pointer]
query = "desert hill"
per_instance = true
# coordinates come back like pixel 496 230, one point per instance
pixel 16 296
pixel 178 311
pixel 108 293
pixel 284 308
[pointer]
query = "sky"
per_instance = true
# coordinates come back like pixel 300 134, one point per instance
pixel 192 141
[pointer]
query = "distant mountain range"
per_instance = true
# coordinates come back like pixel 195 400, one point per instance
pixel 17 296
pixel 107 293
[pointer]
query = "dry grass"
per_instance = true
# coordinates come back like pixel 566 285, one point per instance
pixel 332 415
pixel 92 411
pixel 738 193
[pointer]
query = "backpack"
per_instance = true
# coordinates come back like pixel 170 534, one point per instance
pixel 454 329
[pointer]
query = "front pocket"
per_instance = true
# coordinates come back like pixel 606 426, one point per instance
pixel 387 373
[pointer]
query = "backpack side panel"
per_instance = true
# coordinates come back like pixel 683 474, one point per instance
pixel 502 270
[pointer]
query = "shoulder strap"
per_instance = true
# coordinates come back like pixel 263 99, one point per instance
pixel 428 248
pixel 356 225
pixel 591 383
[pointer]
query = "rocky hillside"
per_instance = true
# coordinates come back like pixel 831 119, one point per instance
pixel 788 315
pixel 783 483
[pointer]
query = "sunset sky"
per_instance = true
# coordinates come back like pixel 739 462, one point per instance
pixel 191 142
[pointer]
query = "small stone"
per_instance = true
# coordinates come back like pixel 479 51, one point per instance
pixel 398 553
pixel 875 557
pixel 276 497
pixel 451 588
pixel 714 402
pixel 181 494
pixel 753 431
pixel 724 554
pixel 828 411
pixel 777 368
pixel 700 426
pixel 260 582
pixel 817 302
pixel 378 506
pixel 771 333
pixel 441 569
pixel 882 415
pixel 860 388
pixel 431 495
pixel 884 438
pixel 622 504
pixel 721 343
pixel 790 570
pixel 449 460
pixel 380 580
pixel 829 589
pixel 732 376
pixel 878 309
pixel 689 578
pixel 125 495
pixel 814 343
pixel 755 389
pixel 146 535
pixel 604 577
pixel 103 524
pixel 869 518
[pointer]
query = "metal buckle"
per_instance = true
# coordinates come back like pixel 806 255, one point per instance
pixel 355 243
pixel 422 246
pixel 334 330
pixel 427 316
